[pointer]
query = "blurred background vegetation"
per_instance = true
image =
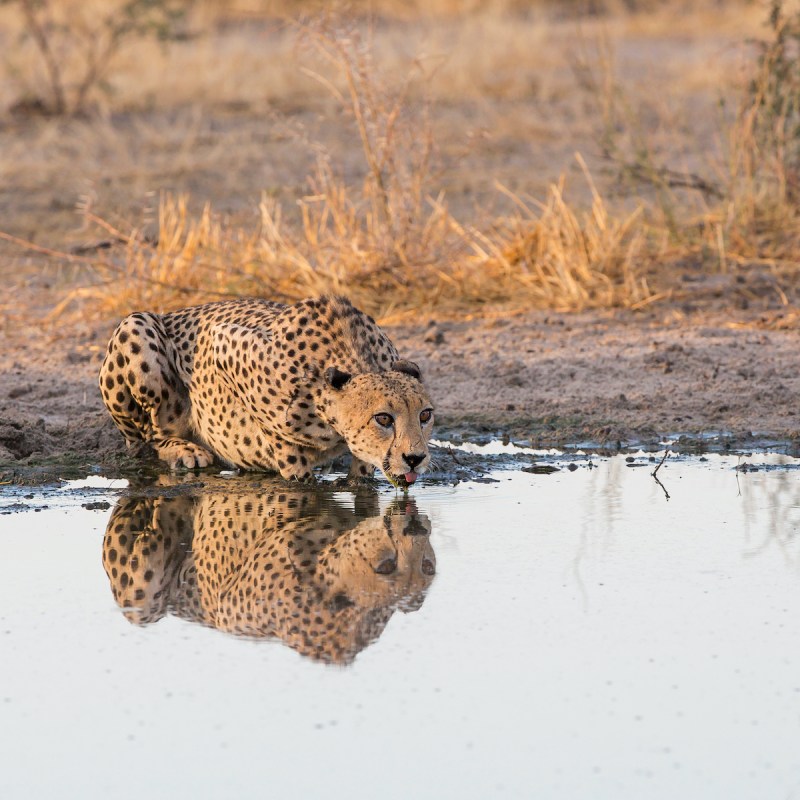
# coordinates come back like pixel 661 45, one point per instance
pixel 440 156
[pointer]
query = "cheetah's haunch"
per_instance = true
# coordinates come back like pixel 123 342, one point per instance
pixel 262 385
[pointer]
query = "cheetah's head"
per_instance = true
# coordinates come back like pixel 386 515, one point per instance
pixel 381 561
pixel 385 418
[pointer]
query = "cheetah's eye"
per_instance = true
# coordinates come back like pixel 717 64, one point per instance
pixel 425 416
pixel 384 420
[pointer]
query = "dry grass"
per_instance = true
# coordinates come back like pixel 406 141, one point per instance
pixel 382 231
pixel 761 219
pixel 390 242
pixel 731 200
pixel 548 256
pixel 255 64
pixel 555 257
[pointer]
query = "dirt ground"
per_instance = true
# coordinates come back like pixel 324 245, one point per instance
pixel 606 377
pixel 718 355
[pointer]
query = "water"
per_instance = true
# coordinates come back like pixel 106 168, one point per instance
pixel 567 635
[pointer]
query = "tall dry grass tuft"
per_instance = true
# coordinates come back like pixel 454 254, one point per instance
pixel 379 239
pixel 760 218
pixel 566 260
pixel 188 259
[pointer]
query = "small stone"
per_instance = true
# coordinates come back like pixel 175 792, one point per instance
pixel 19 391
pixel 74 357
pixel 435 337
pixel 98 505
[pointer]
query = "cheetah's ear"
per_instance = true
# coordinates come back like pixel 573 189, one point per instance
pixel 336 378
pixel 409 367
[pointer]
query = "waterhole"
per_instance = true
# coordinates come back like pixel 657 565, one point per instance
pixel 579 631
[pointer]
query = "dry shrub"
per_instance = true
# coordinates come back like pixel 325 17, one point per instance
pixel 64 53
pixel 760 218
pixel 389 221
pixel 740 207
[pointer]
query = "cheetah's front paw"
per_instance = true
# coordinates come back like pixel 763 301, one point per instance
pixel 179 453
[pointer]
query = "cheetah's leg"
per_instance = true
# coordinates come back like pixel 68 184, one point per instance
pixel 145 543
pixel 359 471
pixel 296 462
pixel 144 393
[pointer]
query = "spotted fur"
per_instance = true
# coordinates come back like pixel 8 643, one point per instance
pixel 322 578
pixel 261 385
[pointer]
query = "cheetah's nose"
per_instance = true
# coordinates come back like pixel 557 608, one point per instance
pixel 413 460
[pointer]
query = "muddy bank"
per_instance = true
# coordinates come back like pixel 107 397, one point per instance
pixel 612 379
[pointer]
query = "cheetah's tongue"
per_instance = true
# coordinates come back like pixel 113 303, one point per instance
pixel 410 477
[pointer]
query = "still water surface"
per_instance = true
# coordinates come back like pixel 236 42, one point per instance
pixel 571 635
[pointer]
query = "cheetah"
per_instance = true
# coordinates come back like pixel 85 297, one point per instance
pixel 290 563
pixel 262 385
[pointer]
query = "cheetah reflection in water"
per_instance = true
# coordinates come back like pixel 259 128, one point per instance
pixel 287 563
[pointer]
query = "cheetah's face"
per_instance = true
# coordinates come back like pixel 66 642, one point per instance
pixel 382 560
pixel 385 418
